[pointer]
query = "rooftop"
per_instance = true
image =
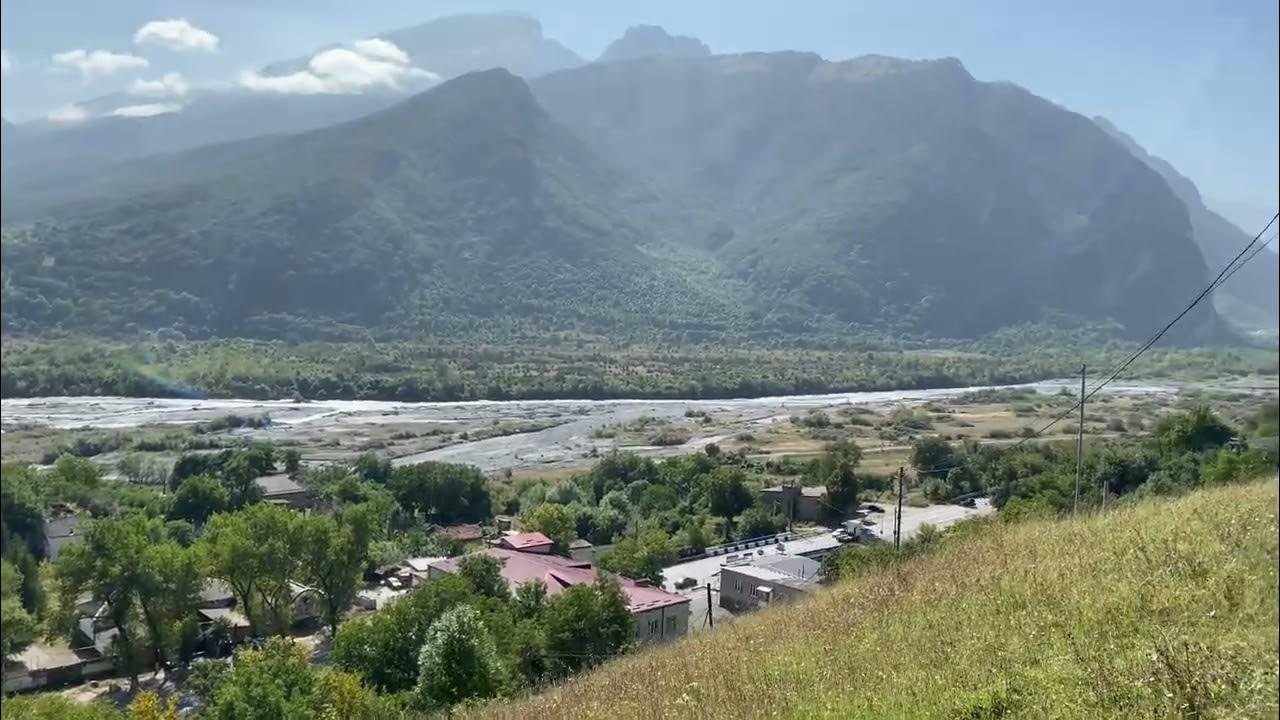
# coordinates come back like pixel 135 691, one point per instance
pixel 810 491
pixel 559 573
pixel 524 541
pixel 280 484
pixel 792 571
pixel 462 533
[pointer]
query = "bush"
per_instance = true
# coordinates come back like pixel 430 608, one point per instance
pixel 1115 424
pixel 670 437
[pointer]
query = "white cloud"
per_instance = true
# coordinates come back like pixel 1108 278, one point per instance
pixel 98 62
pixel 176 34
pixel 68 114
pixel 170 85
pixel 136 111
pixel 380 49
pixel 5 65
pixel 372 63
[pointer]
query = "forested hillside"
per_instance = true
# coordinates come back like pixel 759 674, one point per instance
pixel 746 197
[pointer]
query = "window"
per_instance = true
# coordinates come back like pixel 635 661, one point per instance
pixel 671 624
pixel 653 627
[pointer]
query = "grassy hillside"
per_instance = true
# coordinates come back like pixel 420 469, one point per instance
pixel 1160 609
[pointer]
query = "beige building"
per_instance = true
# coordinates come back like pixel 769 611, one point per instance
pixel 764 580
pixel 802 504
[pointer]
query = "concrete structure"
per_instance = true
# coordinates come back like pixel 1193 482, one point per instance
pixel 803 504
pixel 764 580
pixel 529 542
pixel 281 490
pixel 49 665
pixel 659 615
pixel 582 550
pixel 377 597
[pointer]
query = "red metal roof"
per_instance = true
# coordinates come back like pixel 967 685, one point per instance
pixel 524 541
pixel 559 573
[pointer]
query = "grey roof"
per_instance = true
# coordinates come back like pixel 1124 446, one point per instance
pixel 792 571
pixel 278 485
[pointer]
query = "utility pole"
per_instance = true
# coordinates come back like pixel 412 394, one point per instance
pixel 1079 444
pixel 897 515
pixel 711 620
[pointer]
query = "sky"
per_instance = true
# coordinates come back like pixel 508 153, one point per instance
pixel 1194 81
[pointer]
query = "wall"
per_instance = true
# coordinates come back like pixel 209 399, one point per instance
pixel 737 590
pixel 662 624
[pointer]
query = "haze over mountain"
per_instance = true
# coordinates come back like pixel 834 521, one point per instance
pixel 763 194
pixel 1250 296
pixel 649 41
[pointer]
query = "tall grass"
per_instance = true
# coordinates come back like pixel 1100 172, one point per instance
pixel 1163 608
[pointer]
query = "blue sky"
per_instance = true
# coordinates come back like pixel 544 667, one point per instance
pixel 1195 82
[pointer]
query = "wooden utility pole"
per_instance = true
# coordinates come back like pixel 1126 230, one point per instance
pixel 1079 444
pixel 897 515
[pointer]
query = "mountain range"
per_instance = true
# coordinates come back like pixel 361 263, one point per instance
pixel 659 192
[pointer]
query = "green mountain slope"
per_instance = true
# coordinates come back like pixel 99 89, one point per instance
pixel 891 192
pixel 767 195
pixel 463 208
pixel 1159 609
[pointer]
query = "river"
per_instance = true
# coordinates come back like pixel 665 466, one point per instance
pixel 569 440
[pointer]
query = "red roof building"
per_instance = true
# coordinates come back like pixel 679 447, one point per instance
pixel 527 542
pixel 659 615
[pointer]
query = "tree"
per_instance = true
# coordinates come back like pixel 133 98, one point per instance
pixel 726 493
pixel 279 681
pixel 530 599
pixel 335 551
pixel 1194 431
pixel 458 660
pixel 17 627
pixel 383 649
pixel 169 585
pixel 587 625
pixel 21 513
pixel 485 575
pixel 838 473
pixel 292 463
pixel 932 457
pixel 643 557
pixel 109 566
pixel 554 521
pixel 148 706
pixel 52 706
pixel 256 551
pixel 198 499
pixel 759 522
pixel 138 469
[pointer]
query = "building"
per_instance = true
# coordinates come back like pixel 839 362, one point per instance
pixel 763 580
pixel 281 490
pixel 659 615
pixel 528 542
pixel 582 550
pixel 61 529
pixel 803 504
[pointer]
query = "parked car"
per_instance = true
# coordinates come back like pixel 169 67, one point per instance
pixel 968 502
pixel 685 582
pixel 873 508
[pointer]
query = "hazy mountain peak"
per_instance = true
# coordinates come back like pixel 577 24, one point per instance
pixel 650 41
pixel 867 67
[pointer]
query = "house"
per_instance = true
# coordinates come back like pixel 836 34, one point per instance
pixel 43 665
pixel 464 533
pixel 658 614
pixel 528 542
pixel 760 581
pixel 504 522
pixel 281 490
pixel 377 597
pixel 61 528
pixel 794 502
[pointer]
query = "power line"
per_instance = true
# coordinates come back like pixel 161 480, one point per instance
pixel 1225 274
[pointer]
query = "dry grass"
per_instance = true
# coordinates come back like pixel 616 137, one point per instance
pixel 1159 609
